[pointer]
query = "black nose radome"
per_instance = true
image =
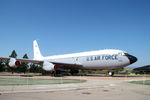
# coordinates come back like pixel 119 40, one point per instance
pixel 131 58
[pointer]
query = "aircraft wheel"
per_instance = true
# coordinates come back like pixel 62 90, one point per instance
pixel 110 73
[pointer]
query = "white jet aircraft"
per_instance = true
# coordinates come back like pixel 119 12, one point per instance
pixel 109 59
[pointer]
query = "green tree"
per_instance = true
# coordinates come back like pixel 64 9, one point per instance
pixel 35 68
pixel 32 68
pixel 25 56
pixel 23 66
pixel 2 66
pixel 13 54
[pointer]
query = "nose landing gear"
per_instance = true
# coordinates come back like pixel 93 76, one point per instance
pixel 110 73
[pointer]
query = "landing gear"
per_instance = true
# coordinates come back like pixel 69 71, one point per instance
pixel 57 73
pixel 110 73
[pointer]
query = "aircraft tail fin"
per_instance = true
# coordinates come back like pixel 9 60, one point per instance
pixel 36 51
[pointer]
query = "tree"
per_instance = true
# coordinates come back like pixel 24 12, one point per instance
pixel 2 66
pixel 13 54
pixel 34 68
pixel 25 56
pixel 23 66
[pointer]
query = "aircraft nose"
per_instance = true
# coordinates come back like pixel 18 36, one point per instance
pixel 131 58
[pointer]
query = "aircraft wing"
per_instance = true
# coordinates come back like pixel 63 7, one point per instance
pixel 64 65
pixel 23 60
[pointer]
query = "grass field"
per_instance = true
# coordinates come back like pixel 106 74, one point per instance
pixel 35 81
pixel 134 75
pixel 145 82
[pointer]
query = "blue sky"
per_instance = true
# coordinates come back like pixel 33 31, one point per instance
pixel 68 26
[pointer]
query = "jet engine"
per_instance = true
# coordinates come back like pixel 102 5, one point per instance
pixel 13 63
pixel 47 66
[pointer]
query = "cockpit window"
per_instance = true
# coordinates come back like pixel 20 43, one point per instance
pixel 121 53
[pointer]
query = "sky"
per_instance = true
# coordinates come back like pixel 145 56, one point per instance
pixel 69 26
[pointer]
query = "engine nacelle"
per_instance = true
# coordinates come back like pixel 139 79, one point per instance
pixel 47 66
pixel 13 62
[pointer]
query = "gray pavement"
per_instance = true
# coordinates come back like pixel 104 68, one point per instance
pixel 93 89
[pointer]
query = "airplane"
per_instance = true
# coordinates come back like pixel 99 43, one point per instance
pixel 108 59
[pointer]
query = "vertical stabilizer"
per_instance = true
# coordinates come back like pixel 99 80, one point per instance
pixel 36 51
